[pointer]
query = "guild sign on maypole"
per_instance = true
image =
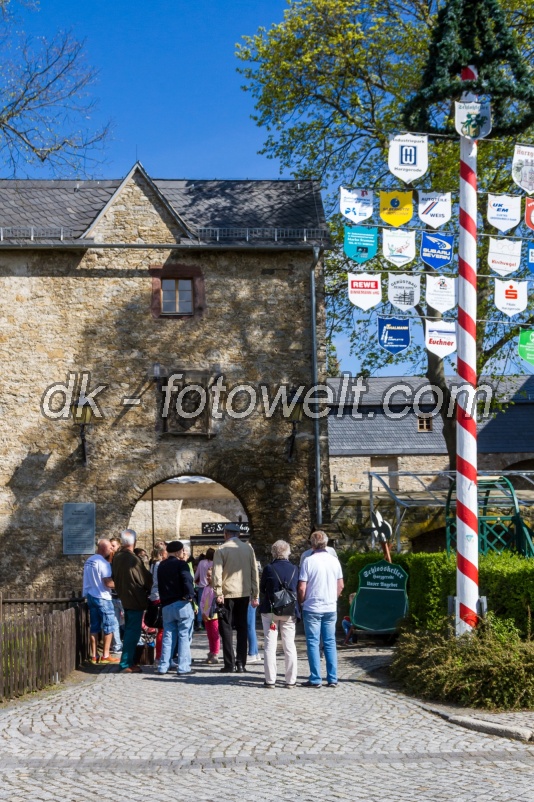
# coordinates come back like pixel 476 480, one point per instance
pixel 480 81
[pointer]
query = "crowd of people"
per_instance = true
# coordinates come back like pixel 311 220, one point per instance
pixel 167 597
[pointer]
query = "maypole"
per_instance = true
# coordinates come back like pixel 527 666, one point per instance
pixel 466 429
pixel 477 33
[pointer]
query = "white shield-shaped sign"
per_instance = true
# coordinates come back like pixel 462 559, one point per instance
pixel 441 292
pixel 472 119
pixel 356 204
pixel 504 255
pixel 440 337
pixel 434 208
pixel 408 156
pixel 404 290
pixel 398 246
pixel 504 211
pixel 511 297
pixel 523 167
pixel 365 289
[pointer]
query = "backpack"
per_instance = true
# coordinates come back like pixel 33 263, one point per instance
pixel 284 600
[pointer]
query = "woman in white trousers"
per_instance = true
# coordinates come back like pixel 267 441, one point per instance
pixel 278 574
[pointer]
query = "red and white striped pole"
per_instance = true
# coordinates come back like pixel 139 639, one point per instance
pixel 466 429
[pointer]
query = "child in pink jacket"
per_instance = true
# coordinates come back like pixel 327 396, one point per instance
pixel 210 617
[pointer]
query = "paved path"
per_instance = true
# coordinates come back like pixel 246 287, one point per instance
pixel 214 738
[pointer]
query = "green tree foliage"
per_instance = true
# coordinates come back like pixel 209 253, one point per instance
pixel 330 83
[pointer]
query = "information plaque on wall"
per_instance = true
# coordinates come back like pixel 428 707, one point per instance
pixel 79 526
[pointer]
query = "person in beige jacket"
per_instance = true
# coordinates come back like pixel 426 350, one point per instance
pixel 235 582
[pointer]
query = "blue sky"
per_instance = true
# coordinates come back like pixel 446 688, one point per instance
pixel 168 81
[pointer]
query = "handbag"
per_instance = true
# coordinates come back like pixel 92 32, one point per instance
pixel 284 600
pixel 154 615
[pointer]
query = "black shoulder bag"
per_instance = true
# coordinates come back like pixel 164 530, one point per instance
pixel 284 601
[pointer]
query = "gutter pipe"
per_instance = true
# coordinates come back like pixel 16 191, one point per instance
pixel 317 253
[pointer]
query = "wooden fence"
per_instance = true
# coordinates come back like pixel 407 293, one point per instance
pixel 41 642
pixel 36 652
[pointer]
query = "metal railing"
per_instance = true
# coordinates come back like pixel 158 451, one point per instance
pixel 36 232
pixel 268 234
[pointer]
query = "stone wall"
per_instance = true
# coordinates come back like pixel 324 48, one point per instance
pixel 351 472
pixel 90 311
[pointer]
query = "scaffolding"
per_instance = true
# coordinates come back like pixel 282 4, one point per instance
pixel 507 491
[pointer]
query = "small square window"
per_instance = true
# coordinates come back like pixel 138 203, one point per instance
pixel 177 296
pixel 424 424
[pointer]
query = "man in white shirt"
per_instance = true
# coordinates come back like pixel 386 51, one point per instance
pixel 320 585
pixel 97 583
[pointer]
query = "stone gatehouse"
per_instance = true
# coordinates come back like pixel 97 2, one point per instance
pixel 122 280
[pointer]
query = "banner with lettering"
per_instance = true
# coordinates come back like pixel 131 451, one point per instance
pixel 434 208
pixel 504 255
pixel 408 156
pixel 441 292
pixel 398 246
pixel 396 208
pixel 394 333
pixel 360 243
pixel 356 204
pixel 440 337
pixel 404 290
pixel 365 289
pixel 511 297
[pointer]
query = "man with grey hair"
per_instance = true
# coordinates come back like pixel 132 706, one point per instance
pixel 133 582
pixel 320 585
pixel 235 582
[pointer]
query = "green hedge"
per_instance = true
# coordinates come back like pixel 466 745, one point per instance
pixel 506 579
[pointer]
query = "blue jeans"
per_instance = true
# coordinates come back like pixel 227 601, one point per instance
pixel 251 631
pixel 116 642
pixel 317 626
pixel 178 619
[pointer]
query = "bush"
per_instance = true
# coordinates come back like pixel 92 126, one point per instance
pixel 492 668
pixel 507 579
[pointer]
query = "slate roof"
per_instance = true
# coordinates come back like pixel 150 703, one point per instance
pixel 232 207
pixel 510 431
pixel 63 203
pixel 220 204
pixel 518 388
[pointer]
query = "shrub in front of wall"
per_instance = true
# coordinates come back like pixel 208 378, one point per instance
pixel 491 669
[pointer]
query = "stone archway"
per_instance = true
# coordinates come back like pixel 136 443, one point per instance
pixel 177 508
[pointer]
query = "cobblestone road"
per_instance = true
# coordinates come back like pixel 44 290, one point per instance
pixel 214 738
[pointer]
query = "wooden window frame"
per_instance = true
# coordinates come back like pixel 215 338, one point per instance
pixel 177 271
pixel 424 424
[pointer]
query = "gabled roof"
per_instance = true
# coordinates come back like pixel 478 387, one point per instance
pixel 246 212
pixel 137 168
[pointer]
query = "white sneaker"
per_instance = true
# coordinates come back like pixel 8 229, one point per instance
pixel 254 658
